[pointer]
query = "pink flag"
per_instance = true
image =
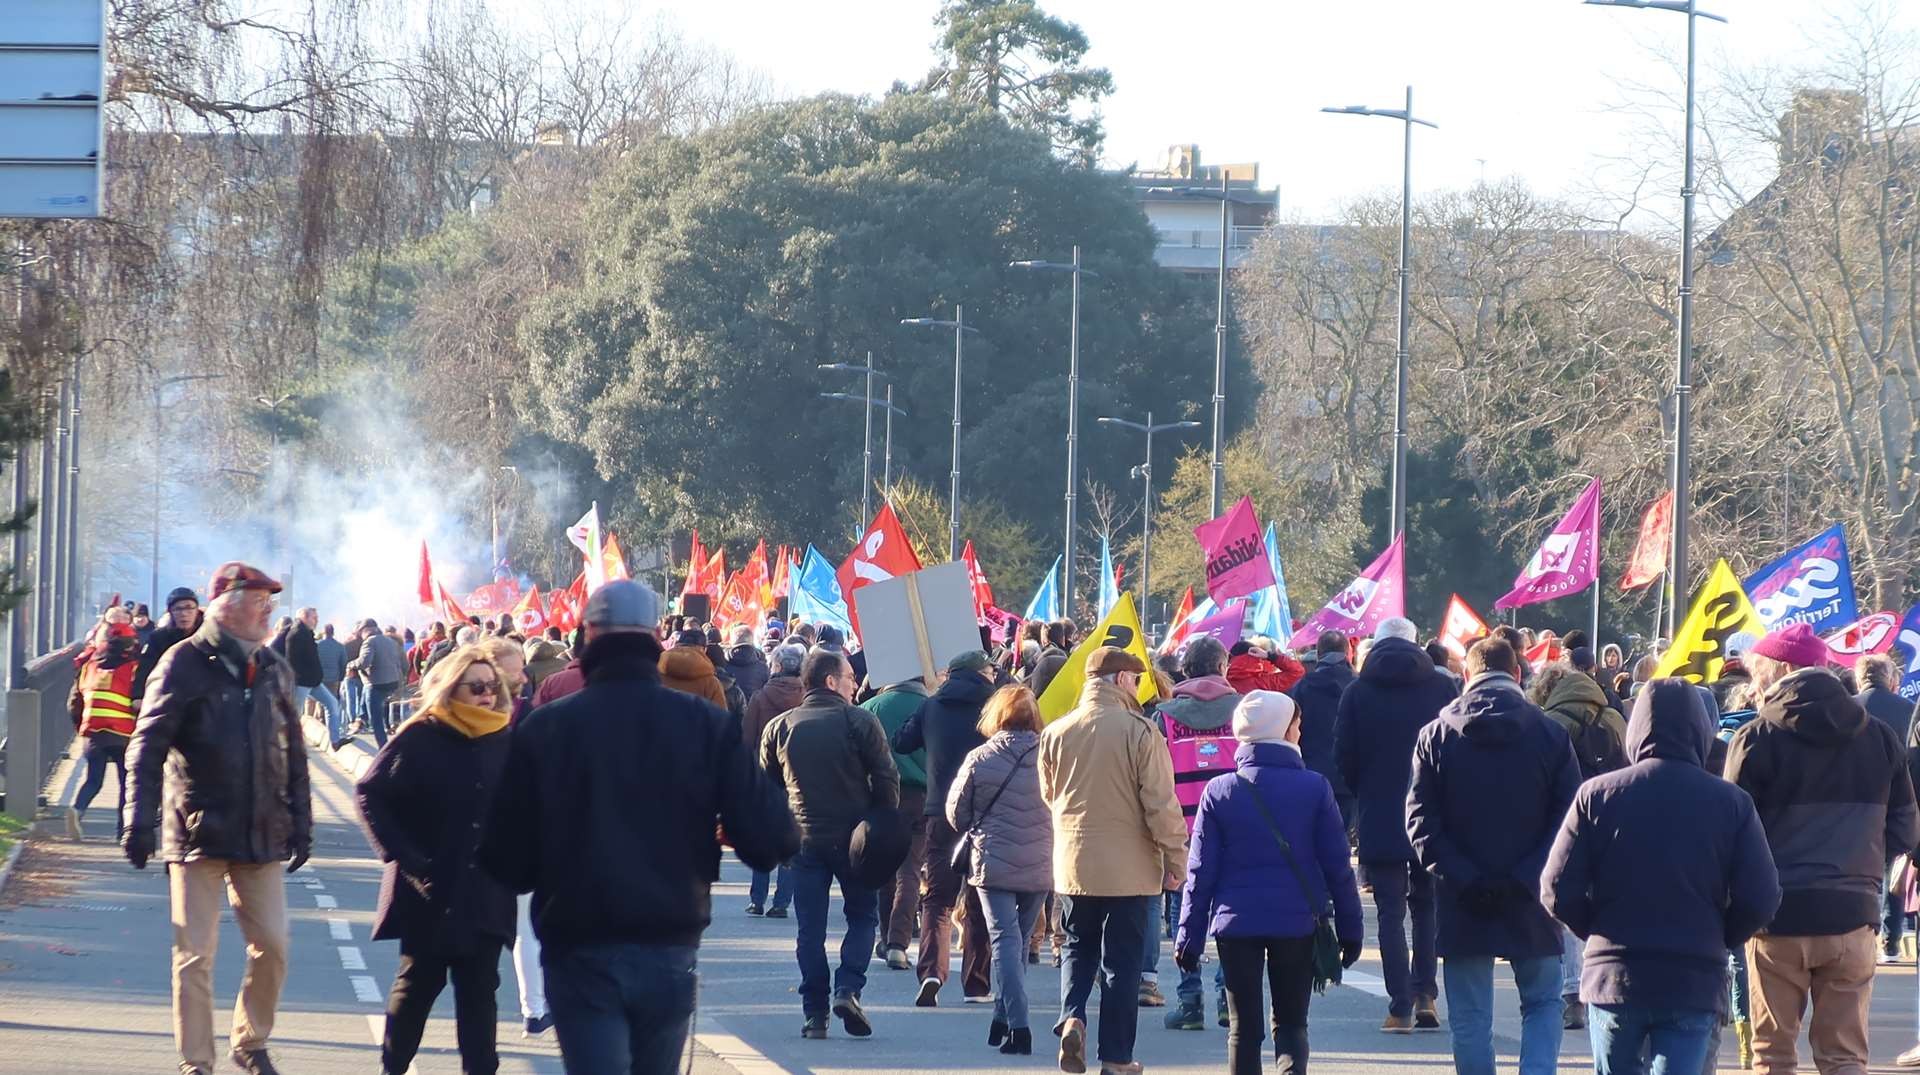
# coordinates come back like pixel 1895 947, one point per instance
pixel 1236 558
pixel 1379 593
pixel 1869 634
pixel 1224 625
pixel 1568 561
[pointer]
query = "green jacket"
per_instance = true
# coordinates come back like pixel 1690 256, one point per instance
pixel 894 706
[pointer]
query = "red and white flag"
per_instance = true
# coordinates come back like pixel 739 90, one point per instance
pixel 1461 627
pixel 982 593
pixel 1182 624
pixel 530 615
pixel 883 552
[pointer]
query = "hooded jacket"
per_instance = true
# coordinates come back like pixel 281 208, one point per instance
pixel 832 758
pixel 1318 697
pixel 1492 779
pixel 1397 693
pixel 1888 708
pixel 1833 793
pixel 781 693
pixel 544 658
pixel 1248 673
pixel 1661 867
pixel 1203 704
pixel 1576 700
pixel 1239 882
pixel 1012 832
pixel 749 668
pixel 945 727
pixel 894 706
pixel 689 670
pixel 1108 782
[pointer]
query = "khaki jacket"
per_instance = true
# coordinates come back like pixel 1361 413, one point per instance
pixel 1108 782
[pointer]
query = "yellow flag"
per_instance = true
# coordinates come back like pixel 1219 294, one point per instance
pixel 1120 629
pixel 1720 614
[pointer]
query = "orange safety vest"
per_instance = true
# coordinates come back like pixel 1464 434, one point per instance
pixel 108 693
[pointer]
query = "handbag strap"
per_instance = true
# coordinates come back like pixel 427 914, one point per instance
pixel 1011 770
pixel 1286 849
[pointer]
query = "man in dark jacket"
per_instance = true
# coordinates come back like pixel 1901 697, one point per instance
pixel 1397 693
pixel 1492 779
pixel 219 721
pixel 1833 793
pixel 946 728
pixel 781 693
pixel 1318 697
pixel 333 659
pixel 744 661
pixel 832 758
pixel 310 675
pixel 893 707
pixel 1660 867
pixel 565 825
pixel 183 619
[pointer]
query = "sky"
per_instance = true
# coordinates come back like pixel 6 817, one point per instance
pixel 1538 89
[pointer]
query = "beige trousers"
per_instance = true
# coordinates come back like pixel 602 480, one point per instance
pixel 1837 974
pixel 258 894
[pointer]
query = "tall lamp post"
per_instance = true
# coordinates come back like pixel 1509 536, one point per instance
pixel 1073 402
pixel 1682 469
pixel 886 479
pixel 960 330
pixel 866 441
pixel 159 386
pixel 1405 274
pixel 1145 473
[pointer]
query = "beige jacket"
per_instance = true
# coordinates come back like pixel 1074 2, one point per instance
pixel 1108 781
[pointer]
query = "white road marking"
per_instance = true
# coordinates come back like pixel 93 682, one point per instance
pixel 351 959
pixel 1364 982
pixel 326 903
pixel 742 1057
pixel 377 1026
pixel 339 929
pixel 366 989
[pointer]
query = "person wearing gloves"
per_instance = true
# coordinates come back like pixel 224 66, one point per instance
pixel 1269 851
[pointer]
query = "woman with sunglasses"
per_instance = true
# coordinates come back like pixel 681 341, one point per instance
pixel 425 803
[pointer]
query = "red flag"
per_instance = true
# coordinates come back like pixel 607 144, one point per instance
pixel 1182 624
pixel 530 615
pixel 982 593
pixel 1544 653
pixel 740 603
pixel 761 575
pixel 564 607
pixel 883 552
pixel 1461 627
pixel 713 577
pixel 696 562
pixel 782 575
pixel 448 609
pixel 426 576
pixel 1649 559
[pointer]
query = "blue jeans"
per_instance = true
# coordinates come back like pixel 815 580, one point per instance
pixel 1673 1039
pixel 104 747
pixel 1189 989
pixel 378 697
pixel 1469 981
pixel 814 872
pixel 782 889
pixel 621 1008
pixel 1010 919
pixel 1400 889
pixel 356 698
pixel 1737 982
pixel 1105 933
pixel 1893 911
pixel 328 704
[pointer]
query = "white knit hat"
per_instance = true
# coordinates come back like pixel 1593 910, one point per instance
pixel 1263 717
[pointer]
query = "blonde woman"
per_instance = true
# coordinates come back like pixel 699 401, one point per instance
pixel 424 802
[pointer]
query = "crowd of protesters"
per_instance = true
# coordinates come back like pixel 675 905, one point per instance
pixel 1654 860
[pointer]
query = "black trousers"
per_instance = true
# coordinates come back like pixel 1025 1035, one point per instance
pixel 1288 963
pixel 423 974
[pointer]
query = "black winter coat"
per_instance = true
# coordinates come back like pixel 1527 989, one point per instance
pixel 1397 693
pixel 424 801
pixel 1317 696
pixel 157 644
pixel 303 653
pixel 1661 867
pixel 607 806
pixel 749 668
pixel 1888 708
pixel 1492 779
pixel 946 728
pixel 221 766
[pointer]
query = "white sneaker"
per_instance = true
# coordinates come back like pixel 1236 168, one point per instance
pixel 1889 959
pixel 73 825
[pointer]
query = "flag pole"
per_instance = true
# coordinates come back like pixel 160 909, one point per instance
pixel 1659 604
pixel 1594 635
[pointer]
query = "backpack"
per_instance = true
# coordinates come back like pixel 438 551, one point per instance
pixel 1596 748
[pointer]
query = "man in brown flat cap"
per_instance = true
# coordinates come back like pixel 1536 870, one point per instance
pixel 1118 843
pixel 218 717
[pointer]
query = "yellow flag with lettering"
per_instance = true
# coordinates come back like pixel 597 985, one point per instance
pixel 1720 615
pixel 1120 629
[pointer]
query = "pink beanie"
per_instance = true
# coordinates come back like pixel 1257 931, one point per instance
pixel 1794 644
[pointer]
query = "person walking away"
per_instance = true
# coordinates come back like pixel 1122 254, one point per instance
pixel 947 728
pixel 899 902
pixel 508 659
pixel 744 660
pixel 1398 692
pixel 354 689
pixel 994 804
pixel 1492 779
pixel 183 619
pixel 333 665
pixel 382 665
pixel 1658 867
pixel 218 746
pixel 543 656
pixel 1833 793
pixel 1881 699
pixel 1318 696
pixel 686 667
pixel 1269 854
pixel 1198 724
pixel 620 972
pixel 310 675
pixel 1118 843
pixel 101 704
pixel 423 802
pixel 833 760
pixel 781 693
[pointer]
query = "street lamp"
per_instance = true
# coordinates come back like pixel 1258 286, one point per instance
pixel 960 329
pixel 1405 274
pixel 886 477
pixel 1683 361
pixel 1145 473
pixel 1219 334
pixel 866 443
pixel 1073 399
pixel 153 579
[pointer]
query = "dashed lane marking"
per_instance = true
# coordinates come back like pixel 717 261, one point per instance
pixel 339 929
pixel 365 989
pixel 351 959
pixel 326 903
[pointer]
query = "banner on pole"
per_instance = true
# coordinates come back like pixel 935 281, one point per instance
pixel 1236 562
pixel 1721 616
pixel 1380 592
pixel 1120 629
pixel 1811 584
pixel 1461 627
pixel 1874 633
pixel 1649 559
pixel 1906 651
pixel 1567 562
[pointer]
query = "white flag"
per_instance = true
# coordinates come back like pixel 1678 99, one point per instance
pixel 585 536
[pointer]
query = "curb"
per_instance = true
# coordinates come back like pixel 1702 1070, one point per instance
pixel 13 856
pixel 354 759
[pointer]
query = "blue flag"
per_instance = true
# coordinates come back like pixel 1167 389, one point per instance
pixel 1272 613
pixel 815 593
pixel 1046 600
pixel 1109 592
pixel 1810 584
pixel 1906 651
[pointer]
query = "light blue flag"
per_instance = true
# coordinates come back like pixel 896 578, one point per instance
pixel 1046 600
pixel 1109 592
pixel 815 595
pixel 1272 613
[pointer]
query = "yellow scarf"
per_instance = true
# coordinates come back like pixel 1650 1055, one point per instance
pixel 472 721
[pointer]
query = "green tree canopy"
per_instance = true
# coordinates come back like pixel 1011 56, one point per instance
pixel 1009 56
